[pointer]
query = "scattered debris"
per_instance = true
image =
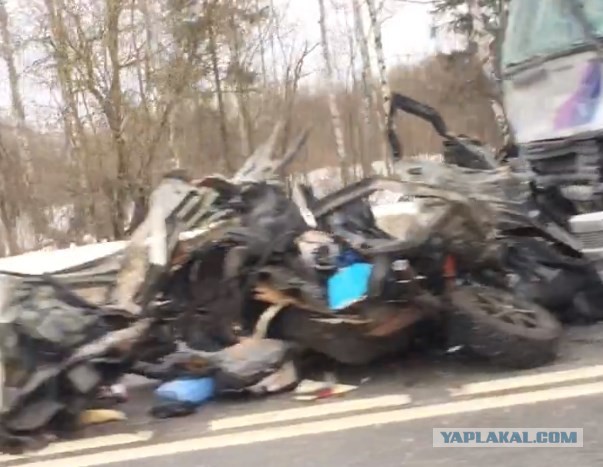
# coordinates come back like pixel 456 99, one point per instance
pixel 309 390
pixel 98 416
pixel 194 391
pixel 171 409
pixel 117 393
pixel 281 380
pixel 182 396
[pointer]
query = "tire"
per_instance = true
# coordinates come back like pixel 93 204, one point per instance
pixel 514 339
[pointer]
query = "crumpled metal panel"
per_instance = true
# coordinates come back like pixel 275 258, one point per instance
pixel 498 186
pixel 175 206
pixel 572 165
pixel 463 206
pixel 39 320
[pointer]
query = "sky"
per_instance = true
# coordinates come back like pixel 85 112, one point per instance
pixel 406 37
pixel 406 31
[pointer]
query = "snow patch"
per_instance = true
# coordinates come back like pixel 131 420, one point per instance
pixel 46 262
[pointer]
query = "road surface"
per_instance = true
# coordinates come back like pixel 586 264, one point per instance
pixel 386 422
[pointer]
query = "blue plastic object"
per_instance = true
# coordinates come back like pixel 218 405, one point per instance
pixel 194 391
pixel 348 285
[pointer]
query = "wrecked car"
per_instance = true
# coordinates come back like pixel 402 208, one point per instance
pixel 66 336
pixel 546 263
pixel 232 278
pixel 295 258
pixel 448 268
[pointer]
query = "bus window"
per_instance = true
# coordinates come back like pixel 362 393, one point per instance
pixel 545 27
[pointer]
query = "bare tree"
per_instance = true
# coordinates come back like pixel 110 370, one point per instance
pixel 210 8
pixel 241 78
pixel 143 85
pixel 18 109
pixel 384 84
pixel 368 88
pixel 480 37
pixel 73 127
pixel 293 74
pixel 9 208
pixel 333 108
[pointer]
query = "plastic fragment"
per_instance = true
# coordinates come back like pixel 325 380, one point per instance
pixel 193 391
pixel 98 416
pixel 310 390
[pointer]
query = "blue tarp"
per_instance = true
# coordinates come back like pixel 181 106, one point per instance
pixel 193 391
pixel 348 285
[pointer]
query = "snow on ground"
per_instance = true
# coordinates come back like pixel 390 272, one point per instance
pixel 42 262
pixel 395 209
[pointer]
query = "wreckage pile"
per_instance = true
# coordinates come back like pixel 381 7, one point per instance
pixel 229 282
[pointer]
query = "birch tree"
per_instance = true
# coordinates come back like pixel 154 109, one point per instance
pixel 485 43
pixel 482 22
pixel 382 67
pixel 333 108
pixel 368 88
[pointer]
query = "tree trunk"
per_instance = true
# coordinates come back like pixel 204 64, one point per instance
pixel 75 139
pixel 173 139
pixel 213 51
pixel 9 204
pixel 333 108
pixel 33 215
pixel 113 111
pixel 484 52
pixel 245 129
pixel 262 51
pixel 369 95
pixel 149 59
pixel 291 83
pixel 385 90
pixel 16 101
pixel 7 219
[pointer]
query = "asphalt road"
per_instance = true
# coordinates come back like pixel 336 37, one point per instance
pixel 410 444
pixel 387 421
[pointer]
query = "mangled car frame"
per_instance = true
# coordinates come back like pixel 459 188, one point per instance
pixel 233 279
